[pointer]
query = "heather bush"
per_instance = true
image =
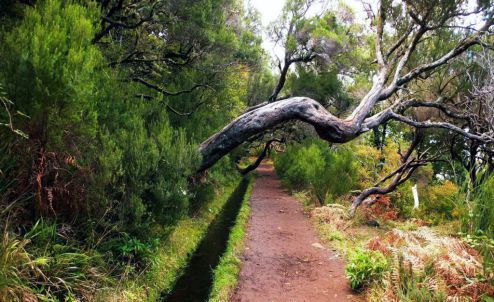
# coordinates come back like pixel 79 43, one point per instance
pixel 314 166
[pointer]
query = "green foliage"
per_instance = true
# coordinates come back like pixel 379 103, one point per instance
pixel 441 202
pixel 116 168
pixel 438 201
pixel 323 86
pixel 133 248
pixel 313 165
pixel 48 65
pixel 137 157
pixel 364 267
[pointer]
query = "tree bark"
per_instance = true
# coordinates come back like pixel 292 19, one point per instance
pixel 256 121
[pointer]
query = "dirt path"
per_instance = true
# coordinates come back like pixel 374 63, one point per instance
pixel 283 260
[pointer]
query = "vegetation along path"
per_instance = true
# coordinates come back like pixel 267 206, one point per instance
pixel 283 259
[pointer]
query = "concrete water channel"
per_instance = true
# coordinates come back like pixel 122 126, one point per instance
pixel 195 283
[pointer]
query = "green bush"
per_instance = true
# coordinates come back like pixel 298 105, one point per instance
pixel 48 64
pixel 112 154
pixel 364 267
pixel 438 201
pixel 134 249
pixel 327 173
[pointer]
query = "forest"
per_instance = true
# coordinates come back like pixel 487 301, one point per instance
pixel 188 150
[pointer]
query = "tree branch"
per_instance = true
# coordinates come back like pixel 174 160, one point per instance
pixel 165 92
pixel 173 110
pixel 379 36
pixel 260 158
pixel 268 116
pixel 482 138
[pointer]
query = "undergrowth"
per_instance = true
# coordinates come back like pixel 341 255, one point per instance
pixel 45 264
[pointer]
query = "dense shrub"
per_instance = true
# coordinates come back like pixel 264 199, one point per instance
pixel 365 266
pixel 327 173
pixel 439 201
pixel 92 146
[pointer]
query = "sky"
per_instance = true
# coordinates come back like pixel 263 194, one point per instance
pixel 269 11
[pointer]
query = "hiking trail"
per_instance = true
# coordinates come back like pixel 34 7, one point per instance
pixel 284 260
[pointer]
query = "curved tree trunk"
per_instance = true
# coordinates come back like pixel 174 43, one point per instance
pixel 256 121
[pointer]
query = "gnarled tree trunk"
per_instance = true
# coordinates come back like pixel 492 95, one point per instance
pixel 261 119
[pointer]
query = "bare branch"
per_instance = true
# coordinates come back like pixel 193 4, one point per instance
pixel 399 175
pixel 399 42
pixel 438 105
pixel 483 138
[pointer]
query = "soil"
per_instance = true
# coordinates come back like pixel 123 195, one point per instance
pixel 284 260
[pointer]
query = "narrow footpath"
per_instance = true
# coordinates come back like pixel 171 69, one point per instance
pixel 284 260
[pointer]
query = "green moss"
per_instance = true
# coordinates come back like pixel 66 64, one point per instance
pixel 226 273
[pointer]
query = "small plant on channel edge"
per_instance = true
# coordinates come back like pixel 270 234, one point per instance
pixel 135 250
pixel 364 267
